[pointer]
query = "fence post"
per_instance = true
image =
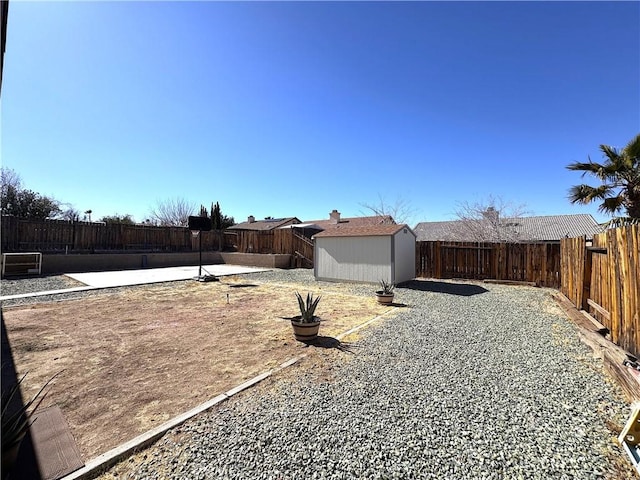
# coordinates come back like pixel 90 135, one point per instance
pixel 586 278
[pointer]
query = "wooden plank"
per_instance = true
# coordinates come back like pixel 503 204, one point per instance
pixel 511 282
pixel 467 247
pixel 598 308
pixel 600 328
pixel 571 311
pixel 633 288
pixel 612 355
pixel 55 449
pixel 614 293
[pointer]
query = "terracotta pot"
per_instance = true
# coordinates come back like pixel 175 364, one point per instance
pixel 305 332
pixel 385 298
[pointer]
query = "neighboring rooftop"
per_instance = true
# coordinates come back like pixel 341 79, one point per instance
pixel 540 228
pixel 265 224
pixel 336 220
pixel 361 231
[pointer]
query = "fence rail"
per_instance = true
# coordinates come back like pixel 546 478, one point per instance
pixel 524 262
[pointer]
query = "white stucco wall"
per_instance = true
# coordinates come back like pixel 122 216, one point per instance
pixel 404 252
pixel 357 259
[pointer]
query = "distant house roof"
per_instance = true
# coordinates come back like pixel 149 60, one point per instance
pixel 361 231
pixel 264 225
pixel 329 223
pixel 311 226
pixel 541 228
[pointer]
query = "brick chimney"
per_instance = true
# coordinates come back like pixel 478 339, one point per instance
pixel 251 219
pixel 491 214
pixel 334 216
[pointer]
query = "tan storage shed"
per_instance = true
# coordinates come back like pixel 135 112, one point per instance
pixel 366 254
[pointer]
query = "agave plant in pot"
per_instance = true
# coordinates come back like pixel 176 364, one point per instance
pixel 306 325
pixel 385 294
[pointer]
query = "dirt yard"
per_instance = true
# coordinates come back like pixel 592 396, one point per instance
pixel 131 361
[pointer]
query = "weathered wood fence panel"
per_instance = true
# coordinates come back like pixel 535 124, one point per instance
pixel 254 242
pixel 598 286
pixel 60 235
pixel 604 280
pixel 623 252
pixel 530 262
pixel 289 241
pixel 573 253
pixel 212 240
pixel 428 260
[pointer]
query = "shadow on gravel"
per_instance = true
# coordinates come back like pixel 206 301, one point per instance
pixel 330 342
pixel 462 289
pixel 242 285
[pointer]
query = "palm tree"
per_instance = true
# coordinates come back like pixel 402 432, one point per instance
pixel 620 188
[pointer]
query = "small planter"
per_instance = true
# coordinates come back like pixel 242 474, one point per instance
pixel 305 331
pixel 384 298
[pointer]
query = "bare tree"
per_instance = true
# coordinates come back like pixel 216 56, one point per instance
pixel 401 211
pixel 69 212
pixel 9 178
pixel 491 220
pixel 173 211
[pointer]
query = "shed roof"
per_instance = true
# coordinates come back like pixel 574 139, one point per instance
pixel 539 228
pixel 362 231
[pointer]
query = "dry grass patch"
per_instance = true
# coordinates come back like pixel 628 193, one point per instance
pixel 135 359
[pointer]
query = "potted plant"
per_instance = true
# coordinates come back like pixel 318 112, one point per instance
pixel 306 325
pixel 385 294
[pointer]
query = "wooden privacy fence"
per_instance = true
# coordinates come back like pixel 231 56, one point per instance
pixel 280 240
pixel 51 236
pixel 604 280
pixel 20 234
pixel 522 262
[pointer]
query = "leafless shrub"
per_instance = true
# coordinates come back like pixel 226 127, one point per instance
pixel 173 212
pixel 491 220
pixel 401 211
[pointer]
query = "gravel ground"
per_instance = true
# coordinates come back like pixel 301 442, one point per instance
pixel 471 381
pixel 18 285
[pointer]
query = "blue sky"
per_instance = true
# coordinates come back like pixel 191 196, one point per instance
pixel 297 108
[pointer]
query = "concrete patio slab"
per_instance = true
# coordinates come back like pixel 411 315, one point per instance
pixel 155 275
